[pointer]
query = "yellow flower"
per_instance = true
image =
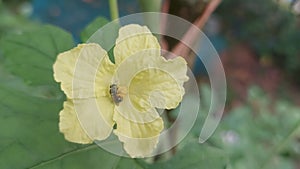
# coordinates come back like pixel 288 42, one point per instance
pixel 101 94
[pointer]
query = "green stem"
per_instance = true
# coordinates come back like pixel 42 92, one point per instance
pixel 114 12
pixel 150 6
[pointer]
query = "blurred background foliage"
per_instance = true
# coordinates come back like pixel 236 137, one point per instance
pixel 270 27
pixel 258 42
pixel 14 17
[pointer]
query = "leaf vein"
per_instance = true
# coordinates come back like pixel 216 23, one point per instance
pixel 59 157
pixel 31 47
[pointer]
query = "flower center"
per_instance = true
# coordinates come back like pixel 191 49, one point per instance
pixel 117 93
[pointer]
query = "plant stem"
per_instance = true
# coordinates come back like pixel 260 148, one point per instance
pixel 189 37
pixel 114 12
pixel 152 21
pixel 150 6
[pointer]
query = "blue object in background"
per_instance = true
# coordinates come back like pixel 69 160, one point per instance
pixel 74 15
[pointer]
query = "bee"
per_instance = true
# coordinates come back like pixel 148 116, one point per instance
pixel 116 97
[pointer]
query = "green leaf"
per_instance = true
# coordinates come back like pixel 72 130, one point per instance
pixel 31 55
pixel 28 126
pixel 193 155
pixel 104 33
pixel 111 55
pixel 92 28
pixel 29 115
pixel 30 138
pixel 258 135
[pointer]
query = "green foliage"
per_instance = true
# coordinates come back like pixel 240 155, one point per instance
pixel 271 29
pixel 32 54
pixel 31 101
pixel 92 28
pixel 106 37
pixel 262 134
pixel 193 155
pixel 13 22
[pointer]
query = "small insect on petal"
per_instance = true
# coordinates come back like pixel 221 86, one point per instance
pixel 113 90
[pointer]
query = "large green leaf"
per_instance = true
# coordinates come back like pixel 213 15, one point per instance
pixel 31 55
pixel 193 155
pixel 29 135
pixel 30 138
pixel 30 102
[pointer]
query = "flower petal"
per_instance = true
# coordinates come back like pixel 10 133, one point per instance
pixel 76 69
pixel 85 120
pixel 70 126
pixel 140 139
pixel 134 38
pixel 159 88
pixel 152 81
pixel 139 147
pixel 95 116
pixel 104 77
